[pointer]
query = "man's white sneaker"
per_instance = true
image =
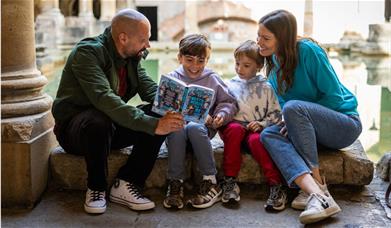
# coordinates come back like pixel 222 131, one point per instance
pixel 128 194
pixel 95 202
pixel 300 201
pixel 318 208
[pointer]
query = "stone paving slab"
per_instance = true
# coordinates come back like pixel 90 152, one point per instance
pixel 349 166
pixel 64 208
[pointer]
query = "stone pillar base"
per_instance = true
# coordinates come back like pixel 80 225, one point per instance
pixel 26 145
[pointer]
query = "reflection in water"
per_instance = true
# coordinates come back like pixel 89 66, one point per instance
pixel 369 78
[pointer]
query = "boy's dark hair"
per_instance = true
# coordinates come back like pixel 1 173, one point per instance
pixel 195 45
pixel 250 49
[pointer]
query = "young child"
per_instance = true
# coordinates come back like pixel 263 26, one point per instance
pixel 258 108
pixel 194 52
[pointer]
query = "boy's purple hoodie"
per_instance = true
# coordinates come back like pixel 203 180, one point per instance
pixel 223 102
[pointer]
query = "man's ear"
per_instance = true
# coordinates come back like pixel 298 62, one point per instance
pixel 122 37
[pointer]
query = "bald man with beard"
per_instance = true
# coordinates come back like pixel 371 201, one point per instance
pixel 92 115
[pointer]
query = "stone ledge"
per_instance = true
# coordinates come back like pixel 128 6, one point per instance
pixel 349 166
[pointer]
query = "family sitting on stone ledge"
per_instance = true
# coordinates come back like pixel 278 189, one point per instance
pixel 281 119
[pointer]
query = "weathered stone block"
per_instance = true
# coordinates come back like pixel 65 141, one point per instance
pixel 24 170
pixel 350 166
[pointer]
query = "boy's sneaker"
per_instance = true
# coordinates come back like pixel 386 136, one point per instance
pixel 277 198
pixel 231 190
pixel 174 197
pixel 95 202
pixel 208 194
pixel 318 208
pixel 128 194
pixel 300 201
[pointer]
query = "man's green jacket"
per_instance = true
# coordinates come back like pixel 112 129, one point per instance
pixel 90 80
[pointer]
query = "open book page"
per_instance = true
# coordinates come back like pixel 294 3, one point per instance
pixel 197 103
pixel 169 95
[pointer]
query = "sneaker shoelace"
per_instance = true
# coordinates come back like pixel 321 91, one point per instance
pixel 134 190
pixel 229 184
pixel 275 191
pixel 205 187
pixel 96 195
pixel 175 187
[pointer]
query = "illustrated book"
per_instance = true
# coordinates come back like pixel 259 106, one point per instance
pixel 193 101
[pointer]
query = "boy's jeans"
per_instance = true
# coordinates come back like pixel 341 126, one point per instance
pixel 197 135
pixel 308 124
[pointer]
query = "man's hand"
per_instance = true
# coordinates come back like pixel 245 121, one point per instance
pixel 218 121
pixel 170 122
pixel 254 126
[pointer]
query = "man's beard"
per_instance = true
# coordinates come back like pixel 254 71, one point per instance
pixel 140 53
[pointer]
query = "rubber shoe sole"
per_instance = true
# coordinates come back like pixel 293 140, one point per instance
pixel 231 200
pixel 133 206
pixel 307 219
pixel 94 210
pixel 172 206
pixel 298 206
pixel 209 204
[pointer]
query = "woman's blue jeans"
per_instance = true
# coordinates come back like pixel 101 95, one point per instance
pixel 308 124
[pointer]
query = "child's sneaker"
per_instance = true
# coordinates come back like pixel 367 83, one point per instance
pixel 277 198
pixel 95 202
pixel 318 208
pixel 300 201
pixel 174 197
pixel 231 190
pixel 208 194
pixel 128 194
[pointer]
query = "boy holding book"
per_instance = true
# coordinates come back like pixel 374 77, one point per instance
pixel 258 108
pixel 194 52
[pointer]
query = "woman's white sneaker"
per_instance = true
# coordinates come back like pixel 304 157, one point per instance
pixel 318 208
pixel 130 195
pixel 300 201
pixel 95 202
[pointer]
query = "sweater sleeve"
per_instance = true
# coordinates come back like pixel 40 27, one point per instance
pixel 273 114
pixel 323 76
pixel 86 67
pixel 225 103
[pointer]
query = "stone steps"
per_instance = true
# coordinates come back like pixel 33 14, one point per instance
pixel 349 166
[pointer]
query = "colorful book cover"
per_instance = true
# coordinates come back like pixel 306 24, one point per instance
pixel 193 101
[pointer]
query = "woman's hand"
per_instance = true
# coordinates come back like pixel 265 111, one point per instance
pixel 284 130
pixel 254 126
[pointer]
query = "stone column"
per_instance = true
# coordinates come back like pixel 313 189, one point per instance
pixel 191 18
pixel 122 4
pixel 86 16
pixel 308 18
pixel 107 10
pixel 26 120
pixel 49 24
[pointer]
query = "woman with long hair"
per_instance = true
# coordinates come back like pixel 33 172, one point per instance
pixel 316 107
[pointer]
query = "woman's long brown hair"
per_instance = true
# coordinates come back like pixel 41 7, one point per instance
pixel 284 27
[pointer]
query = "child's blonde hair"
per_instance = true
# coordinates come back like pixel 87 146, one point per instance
pixel 250 49
pixel 195 45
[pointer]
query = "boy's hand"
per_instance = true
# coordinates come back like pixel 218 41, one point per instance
pixel 218 121
pixel 254 126
pixel 170 122
pixel 209 121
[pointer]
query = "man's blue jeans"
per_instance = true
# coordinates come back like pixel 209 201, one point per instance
pixel 308 124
